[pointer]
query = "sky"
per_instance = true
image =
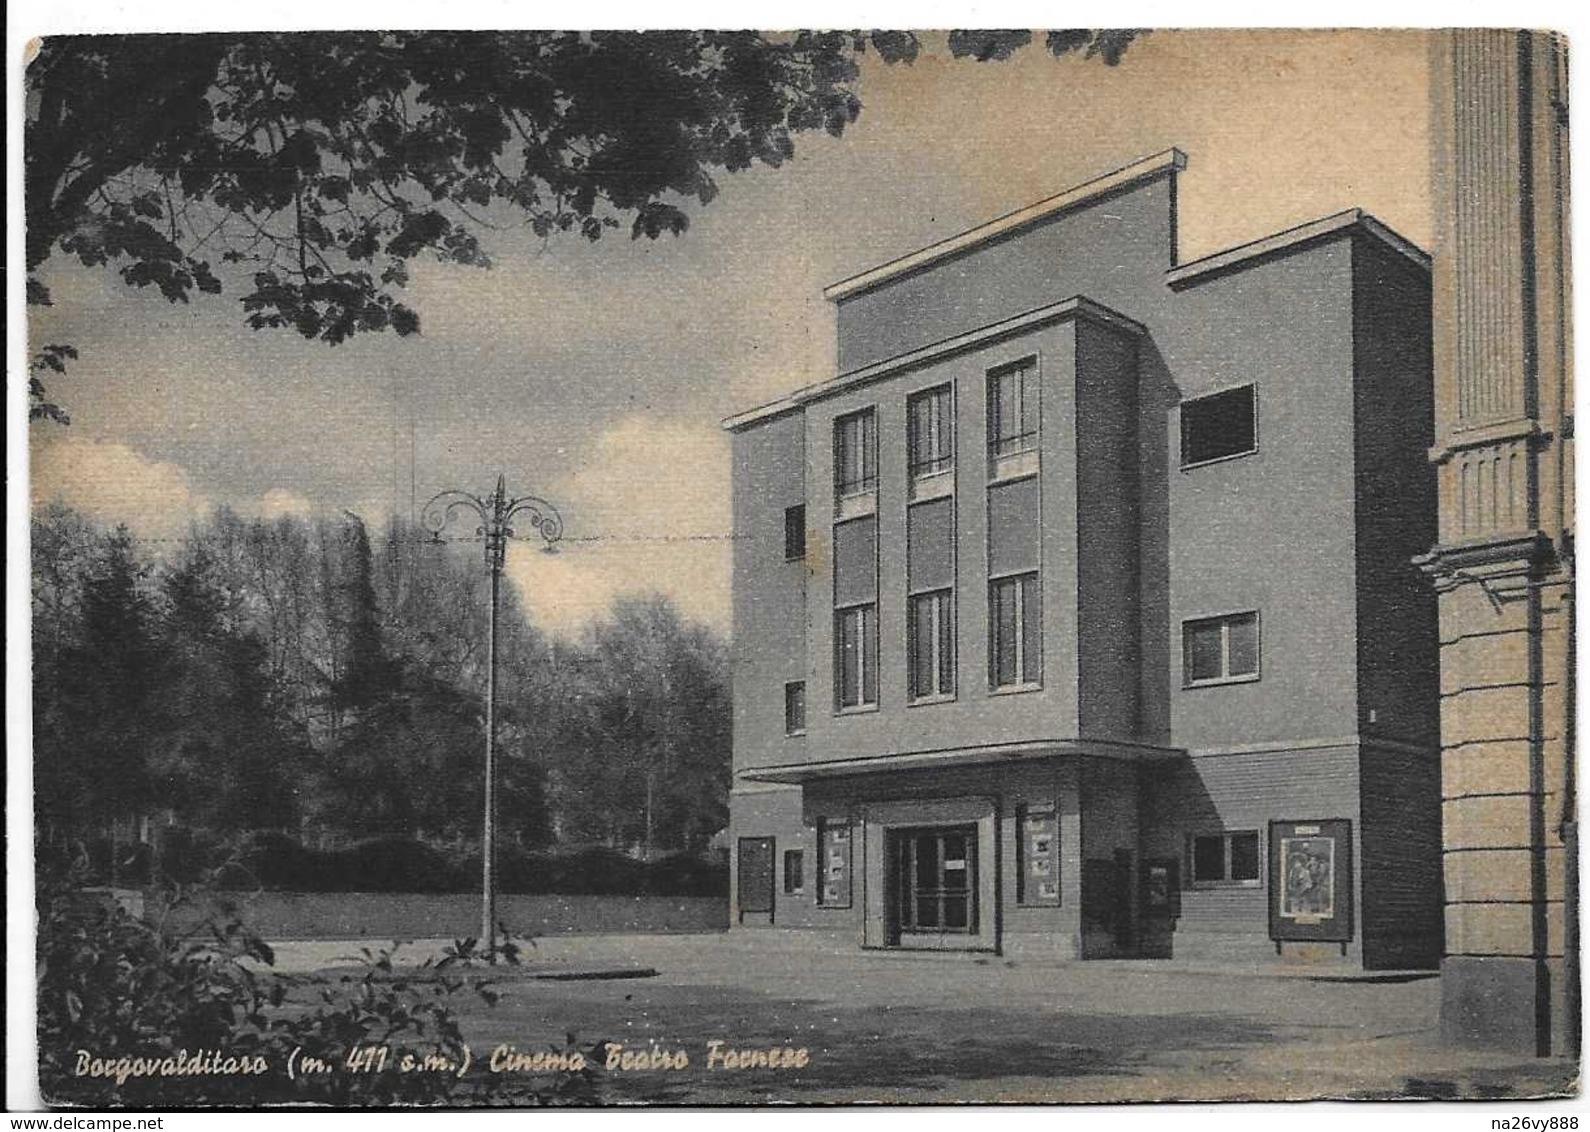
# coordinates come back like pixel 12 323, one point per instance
pixel 596 375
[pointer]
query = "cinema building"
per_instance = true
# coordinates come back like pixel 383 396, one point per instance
pixel 1075 614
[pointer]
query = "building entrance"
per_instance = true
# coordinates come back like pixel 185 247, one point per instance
pixel 933 882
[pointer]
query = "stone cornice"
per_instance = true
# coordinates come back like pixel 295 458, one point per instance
pixel 1521 552
pixel 1460 440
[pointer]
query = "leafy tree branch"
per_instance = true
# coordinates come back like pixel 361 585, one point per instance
pixel 317 165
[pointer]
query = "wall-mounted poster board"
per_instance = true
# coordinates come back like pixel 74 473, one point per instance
pixel 1161 881
pixel 1038 855
pixel 1311 880
pixel 834 864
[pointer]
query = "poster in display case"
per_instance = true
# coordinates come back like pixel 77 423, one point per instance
pixel 1311 880
pixel 1038 853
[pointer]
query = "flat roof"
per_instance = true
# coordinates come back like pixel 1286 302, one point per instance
pixel 1077 306
pixel 1244 255
pixel 1352 220
pixel 1168 161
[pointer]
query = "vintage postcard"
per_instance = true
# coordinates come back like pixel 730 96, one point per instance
pixel 792 567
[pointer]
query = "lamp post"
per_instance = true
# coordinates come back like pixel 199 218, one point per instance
pixel 495 513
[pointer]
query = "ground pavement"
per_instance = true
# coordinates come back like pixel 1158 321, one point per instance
pixel 945 1028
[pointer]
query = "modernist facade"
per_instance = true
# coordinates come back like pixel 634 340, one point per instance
pixel 1077 614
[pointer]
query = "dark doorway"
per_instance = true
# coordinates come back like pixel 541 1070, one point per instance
pixel 756 877
pixel 1125 891
pixel 1108 896
pixel 933 881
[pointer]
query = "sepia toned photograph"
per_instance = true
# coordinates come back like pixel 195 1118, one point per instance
pixel 804 568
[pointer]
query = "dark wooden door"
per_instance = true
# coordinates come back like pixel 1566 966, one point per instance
pixel 756 875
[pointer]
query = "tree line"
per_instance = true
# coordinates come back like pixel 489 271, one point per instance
pixel 307 677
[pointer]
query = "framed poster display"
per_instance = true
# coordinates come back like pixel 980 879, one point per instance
pixel 834 864
pixel 1038 855
pixel 1311 880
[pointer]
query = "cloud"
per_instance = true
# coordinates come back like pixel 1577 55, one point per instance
pixel 115 483
pixel 278 501
pixel 647 512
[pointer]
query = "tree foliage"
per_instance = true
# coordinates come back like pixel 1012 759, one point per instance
pixel 146 1002
pixel 641 756
pixel 288 675
pixel 314 167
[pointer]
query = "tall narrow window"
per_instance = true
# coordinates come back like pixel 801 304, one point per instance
pixel 795 707
pixel 931 644
pixel 794 870
pixel 1015 630
pixel 932 435
pixel 1219 650
pixel 1013 419
pixel 795 532
pixel 856 455
pixel 855 656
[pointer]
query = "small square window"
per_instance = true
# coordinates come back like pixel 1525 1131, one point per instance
pixel 1218 426
pixel 794 871
pixel 795 707
pixel 1225 858
pixel 1220 650
pixel 1209 858
pixel 1245 856
pixel 795 532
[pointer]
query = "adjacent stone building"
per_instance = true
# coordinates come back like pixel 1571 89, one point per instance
pixel 1076 613
pixel 1504 563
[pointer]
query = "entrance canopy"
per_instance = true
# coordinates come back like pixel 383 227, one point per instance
pixel 992 753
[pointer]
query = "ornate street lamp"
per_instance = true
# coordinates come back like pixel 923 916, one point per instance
pixel 495 513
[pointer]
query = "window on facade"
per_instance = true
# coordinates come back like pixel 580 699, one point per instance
pixel 794 870
pixel 1012 419
pixel 1218 426
pixel 931 442
pixel 795 532
pixel 1015 620
pixel 1220 649
pixel 931 644
pixel 856 454
pixel 795 707
pixel 855 659
pixel 1226 858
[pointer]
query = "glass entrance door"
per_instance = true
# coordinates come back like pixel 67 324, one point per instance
pixel 933 873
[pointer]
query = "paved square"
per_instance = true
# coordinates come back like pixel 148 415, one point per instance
pixel 939 1028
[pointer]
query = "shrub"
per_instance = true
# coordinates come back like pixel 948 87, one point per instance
pixel 685 874
pixel 596 872
pixel 518 871
pixel 276 862
pixel 120 995
pixel 393 864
